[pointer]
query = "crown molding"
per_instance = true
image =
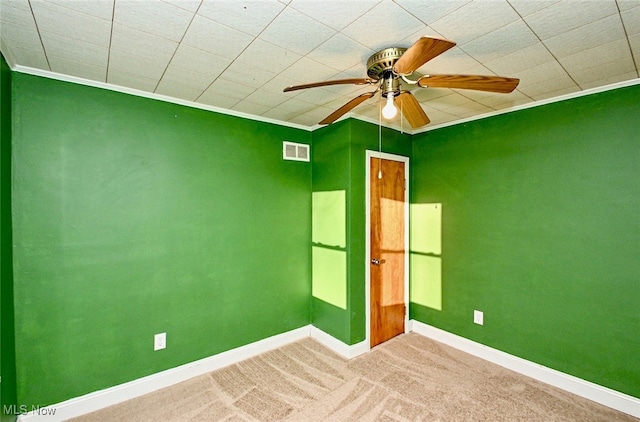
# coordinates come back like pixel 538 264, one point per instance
pixel 539 103
pixel 397 127
pixel 154 96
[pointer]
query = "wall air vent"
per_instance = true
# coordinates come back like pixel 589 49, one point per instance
pixel 294 151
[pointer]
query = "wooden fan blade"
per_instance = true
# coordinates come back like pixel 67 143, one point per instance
pixel 423 50
pixel 477 82
pixel 411 109
pixel 346 108
pixel 362 81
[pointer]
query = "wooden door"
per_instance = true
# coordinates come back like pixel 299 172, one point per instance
pixel 387 260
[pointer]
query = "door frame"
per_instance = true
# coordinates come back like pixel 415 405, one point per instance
pixel 370 155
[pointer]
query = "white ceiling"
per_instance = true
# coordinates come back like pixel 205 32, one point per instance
pixel 238 55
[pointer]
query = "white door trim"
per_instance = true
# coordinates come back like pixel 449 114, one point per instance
pixel 369 156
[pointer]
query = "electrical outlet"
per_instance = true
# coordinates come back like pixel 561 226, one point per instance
pixel 478 317
pixel 160 341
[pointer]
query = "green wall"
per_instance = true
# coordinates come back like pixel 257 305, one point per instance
pixel 540 231
pixel 133 217
pixel 339 164
pixel 7 334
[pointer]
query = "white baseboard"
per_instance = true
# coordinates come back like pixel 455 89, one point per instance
pixel 136 388
pixel 338 346
pixel 597 393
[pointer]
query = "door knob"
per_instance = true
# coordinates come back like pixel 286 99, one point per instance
pixel 376 261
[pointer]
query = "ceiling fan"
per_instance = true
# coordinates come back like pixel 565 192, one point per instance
pixel 390 67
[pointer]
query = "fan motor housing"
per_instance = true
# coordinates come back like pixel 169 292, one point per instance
pixel 382 62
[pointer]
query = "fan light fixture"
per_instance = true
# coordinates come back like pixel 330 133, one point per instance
pixel 388 69
pixel 389 111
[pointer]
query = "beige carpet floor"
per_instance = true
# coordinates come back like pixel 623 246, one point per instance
pixel 409 378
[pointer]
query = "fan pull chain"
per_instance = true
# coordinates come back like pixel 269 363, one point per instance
pixel 401 119
pixel 380 141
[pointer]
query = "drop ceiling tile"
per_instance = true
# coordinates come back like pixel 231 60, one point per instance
pixel 76 50
pixel 602 73
pixel 126 79
pixel 469 109
pixel 138 43
pixel 542 79
pixel 568 15
pixel 336 14
pixel 631 20
pixel 224 88
pixel 454 60
pixel 72 24
pixel 19 36
pixel 221 101
pixel 528 7
pixel 311 117
pixel 245 75
pixel 177 89
pixel 592 35
pixel 634 41
pixel 188 77
pixel 627 4
pixel 501 42
pixel 297 32
pixel 136 64
pixel 371 111
pixel 557 93
pixel 424 95
pixel 263 55
pixel 525 58
pixel 452 99
pixel 430 11
pixel 279 83
pixel 266 98
pixel 306 70
pixel 153 17
pixel 504 101
pixel 320 96
pixel 199 61
pixel 250 17
pixel 583 62
pixel 409 40
pixel 102 9
pixel 30 58
pixel 391 22
pixel 206 35
pixel 340 52
pixel 188 5
pixel 438 117
pixel 611 79
pixel 290 108
pixel 248 107
pixel 83 70
pixel 16 13
pixel 464 25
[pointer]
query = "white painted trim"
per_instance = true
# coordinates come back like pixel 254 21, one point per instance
pixel 533 104
pixel 132 389
pixel 136 388
pixel 391 125
pixel 338 346
pixel 154 96
pixel 110 396
pixel 594 392
pixel 385 156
